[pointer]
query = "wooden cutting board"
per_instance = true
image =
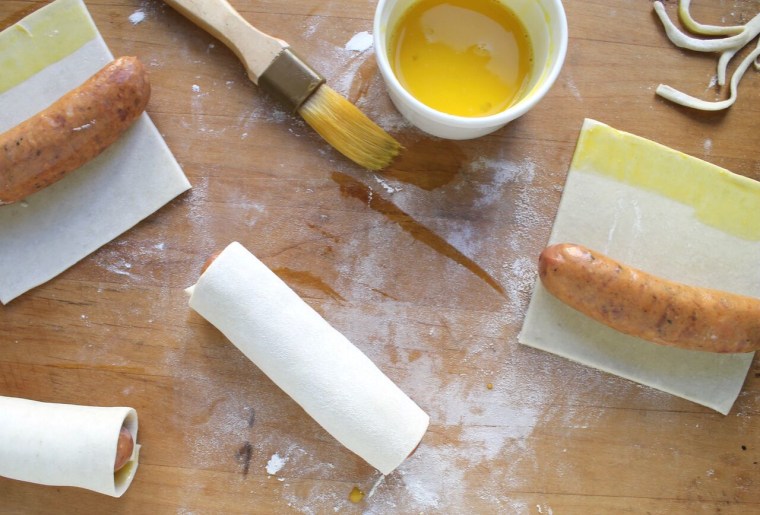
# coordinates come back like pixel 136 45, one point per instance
pixel 427 268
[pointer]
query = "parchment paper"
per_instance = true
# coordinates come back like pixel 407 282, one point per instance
pixel 55 228
pixel 656 233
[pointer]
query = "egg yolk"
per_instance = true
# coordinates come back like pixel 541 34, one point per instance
pixel 462 57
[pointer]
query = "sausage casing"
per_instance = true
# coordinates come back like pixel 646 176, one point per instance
pixel 73 130
pixel 124 448
pixel 649 307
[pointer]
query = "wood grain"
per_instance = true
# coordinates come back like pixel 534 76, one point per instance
pixel 427 268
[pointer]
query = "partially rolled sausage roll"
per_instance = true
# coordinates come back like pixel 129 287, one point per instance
pixel 311 361
pixel 68 445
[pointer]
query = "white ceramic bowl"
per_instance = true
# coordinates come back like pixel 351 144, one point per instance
pixel 546 24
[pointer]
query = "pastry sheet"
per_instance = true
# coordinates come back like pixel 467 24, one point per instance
pixel 60 225
pixel 669 214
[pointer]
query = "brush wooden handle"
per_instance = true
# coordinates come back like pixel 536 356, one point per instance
pixel 254 48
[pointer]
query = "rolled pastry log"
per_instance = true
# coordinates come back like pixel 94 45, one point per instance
pixel 311 361
pixel 65 444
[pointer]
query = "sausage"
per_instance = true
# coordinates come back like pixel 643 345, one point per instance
pixel 649 307
pixel 124 448
pixel 210 260
pixel 73 130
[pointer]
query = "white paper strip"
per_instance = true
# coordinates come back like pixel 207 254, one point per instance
pixel 65 444
pixel 311 361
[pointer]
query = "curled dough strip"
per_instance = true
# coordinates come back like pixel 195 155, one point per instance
pixel 725 58
pixel 683 99
pixel 699 28
pixel 728 46
pixel 749 32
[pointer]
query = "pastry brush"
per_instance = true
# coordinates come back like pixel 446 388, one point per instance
pixel 273 66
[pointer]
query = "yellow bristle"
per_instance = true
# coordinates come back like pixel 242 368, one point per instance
pixel 349 130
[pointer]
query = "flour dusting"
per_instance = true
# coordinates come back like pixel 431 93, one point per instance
pixel 387 186
pixel 573 88
pixel 275 464
pixel 115 262
pixel 360 42
pixel 521 277
pixel 504 173
pixel 137 17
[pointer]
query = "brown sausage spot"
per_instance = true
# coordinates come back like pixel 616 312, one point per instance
pixel 209 261
pixel 124 448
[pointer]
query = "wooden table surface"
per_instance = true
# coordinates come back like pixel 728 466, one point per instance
pixel 427 268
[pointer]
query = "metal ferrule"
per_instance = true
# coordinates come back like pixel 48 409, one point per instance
pixel 290 79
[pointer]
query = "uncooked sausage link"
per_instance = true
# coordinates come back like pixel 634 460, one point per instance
pixel 649 307
pixel 124 448
pixel 73 130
